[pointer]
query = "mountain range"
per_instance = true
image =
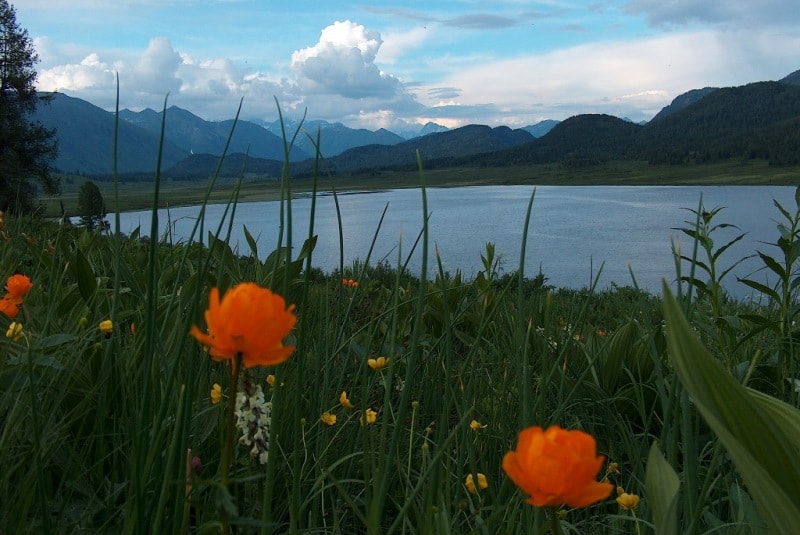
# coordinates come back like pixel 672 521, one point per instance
pixel 758 120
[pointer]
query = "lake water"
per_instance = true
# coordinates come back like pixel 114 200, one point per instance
pixel 573 230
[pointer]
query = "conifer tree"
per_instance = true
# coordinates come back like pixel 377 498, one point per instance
pixel 26 147
pixel 91 206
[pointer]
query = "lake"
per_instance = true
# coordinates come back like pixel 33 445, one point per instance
pixel 573 229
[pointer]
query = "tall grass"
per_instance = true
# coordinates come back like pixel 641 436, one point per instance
pixel 693 398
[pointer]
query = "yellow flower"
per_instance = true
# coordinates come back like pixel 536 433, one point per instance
pixel 378 363
pixel 249 321
pixel 328 418
pixel 216 394
pixel 557 467
pixel 271 380
pixel 470 483
pixel 475 425
pixel 106 326
pixel 14 331
pixel 627 501
pixel 344 400
pixel 370 416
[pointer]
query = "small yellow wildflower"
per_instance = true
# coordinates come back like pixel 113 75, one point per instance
pixel 613 468
pixel 14 331
pixel 370 416
pixel 378 363
pixel 328 418
pixel 627 501
pixel 216 394
pixel 344 400
pixel 106 326
pixel 271 380
pixel 483 483
pixel 475 425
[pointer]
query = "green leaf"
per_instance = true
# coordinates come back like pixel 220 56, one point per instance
pixel 761 436
pixel 764 289
pixel 251 242
pixel 87 283
pixel 662 492
pixel 54 340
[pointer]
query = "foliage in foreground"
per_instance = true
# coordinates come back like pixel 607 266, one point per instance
pixel 400 401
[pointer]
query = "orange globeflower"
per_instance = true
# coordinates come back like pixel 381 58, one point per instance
pixel 18 285
pixel 557 467
pixel 250 321
pixel 9 308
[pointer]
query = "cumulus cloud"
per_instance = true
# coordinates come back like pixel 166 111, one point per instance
pixel 91 72
pixel 156 71
pixel 343 63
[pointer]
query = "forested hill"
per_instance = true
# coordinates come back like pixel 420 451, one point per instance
pixel 759 120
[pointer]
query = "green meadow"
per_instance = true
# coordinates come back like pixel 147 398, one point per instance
pixel 110 420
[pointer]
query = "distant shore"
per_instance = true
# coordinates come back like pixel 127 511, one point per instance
pixel 139 195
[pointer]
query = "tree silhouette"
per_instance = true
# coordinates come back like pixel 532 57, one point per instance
pixel 91 206
pixel 26 147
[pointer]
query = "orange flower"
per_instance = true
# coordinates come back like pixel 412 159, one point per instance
pixel 9 308
pixel 557 467
pixel 18 285
pixel 250 321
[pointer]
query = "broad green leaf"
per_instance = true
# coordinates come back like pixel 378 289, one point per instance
pixel 87 284
pixel 662 492
pixel 761 437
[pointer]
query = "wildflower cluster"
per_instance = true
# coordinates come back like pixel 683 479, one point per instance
pixel 16 288
pixel 253 417
pixel 349 283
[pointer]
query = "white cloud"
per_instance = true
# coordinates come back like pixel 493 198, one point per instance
pixel 156 71
pixel 624 78
pixel 343 63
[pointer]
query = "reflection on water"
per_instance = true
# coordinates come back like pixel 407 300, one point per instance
pixel 573 230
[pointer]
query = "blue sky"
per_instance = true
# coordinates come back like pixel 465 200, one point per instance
pixel 397 63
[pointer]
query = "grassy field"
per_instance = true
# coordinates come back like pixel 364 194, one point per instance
pixel 397 409
pixel 138 196
pixel 403 397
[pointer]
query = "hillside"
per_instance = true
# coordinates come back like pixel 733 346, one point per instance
pixel 85 135
pixel 198 136
pixel 454 143
pixel 751 121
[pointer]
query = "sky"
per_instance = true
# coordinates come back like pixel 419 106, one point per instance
pixel 401 63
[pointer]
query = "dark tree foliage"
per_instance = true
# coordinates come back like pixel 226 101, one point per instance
pixel 26 147
pixel 91 206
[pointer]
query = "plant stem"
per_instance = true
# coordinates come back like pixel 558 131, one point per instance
pixel 227 450
pixel 555 525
